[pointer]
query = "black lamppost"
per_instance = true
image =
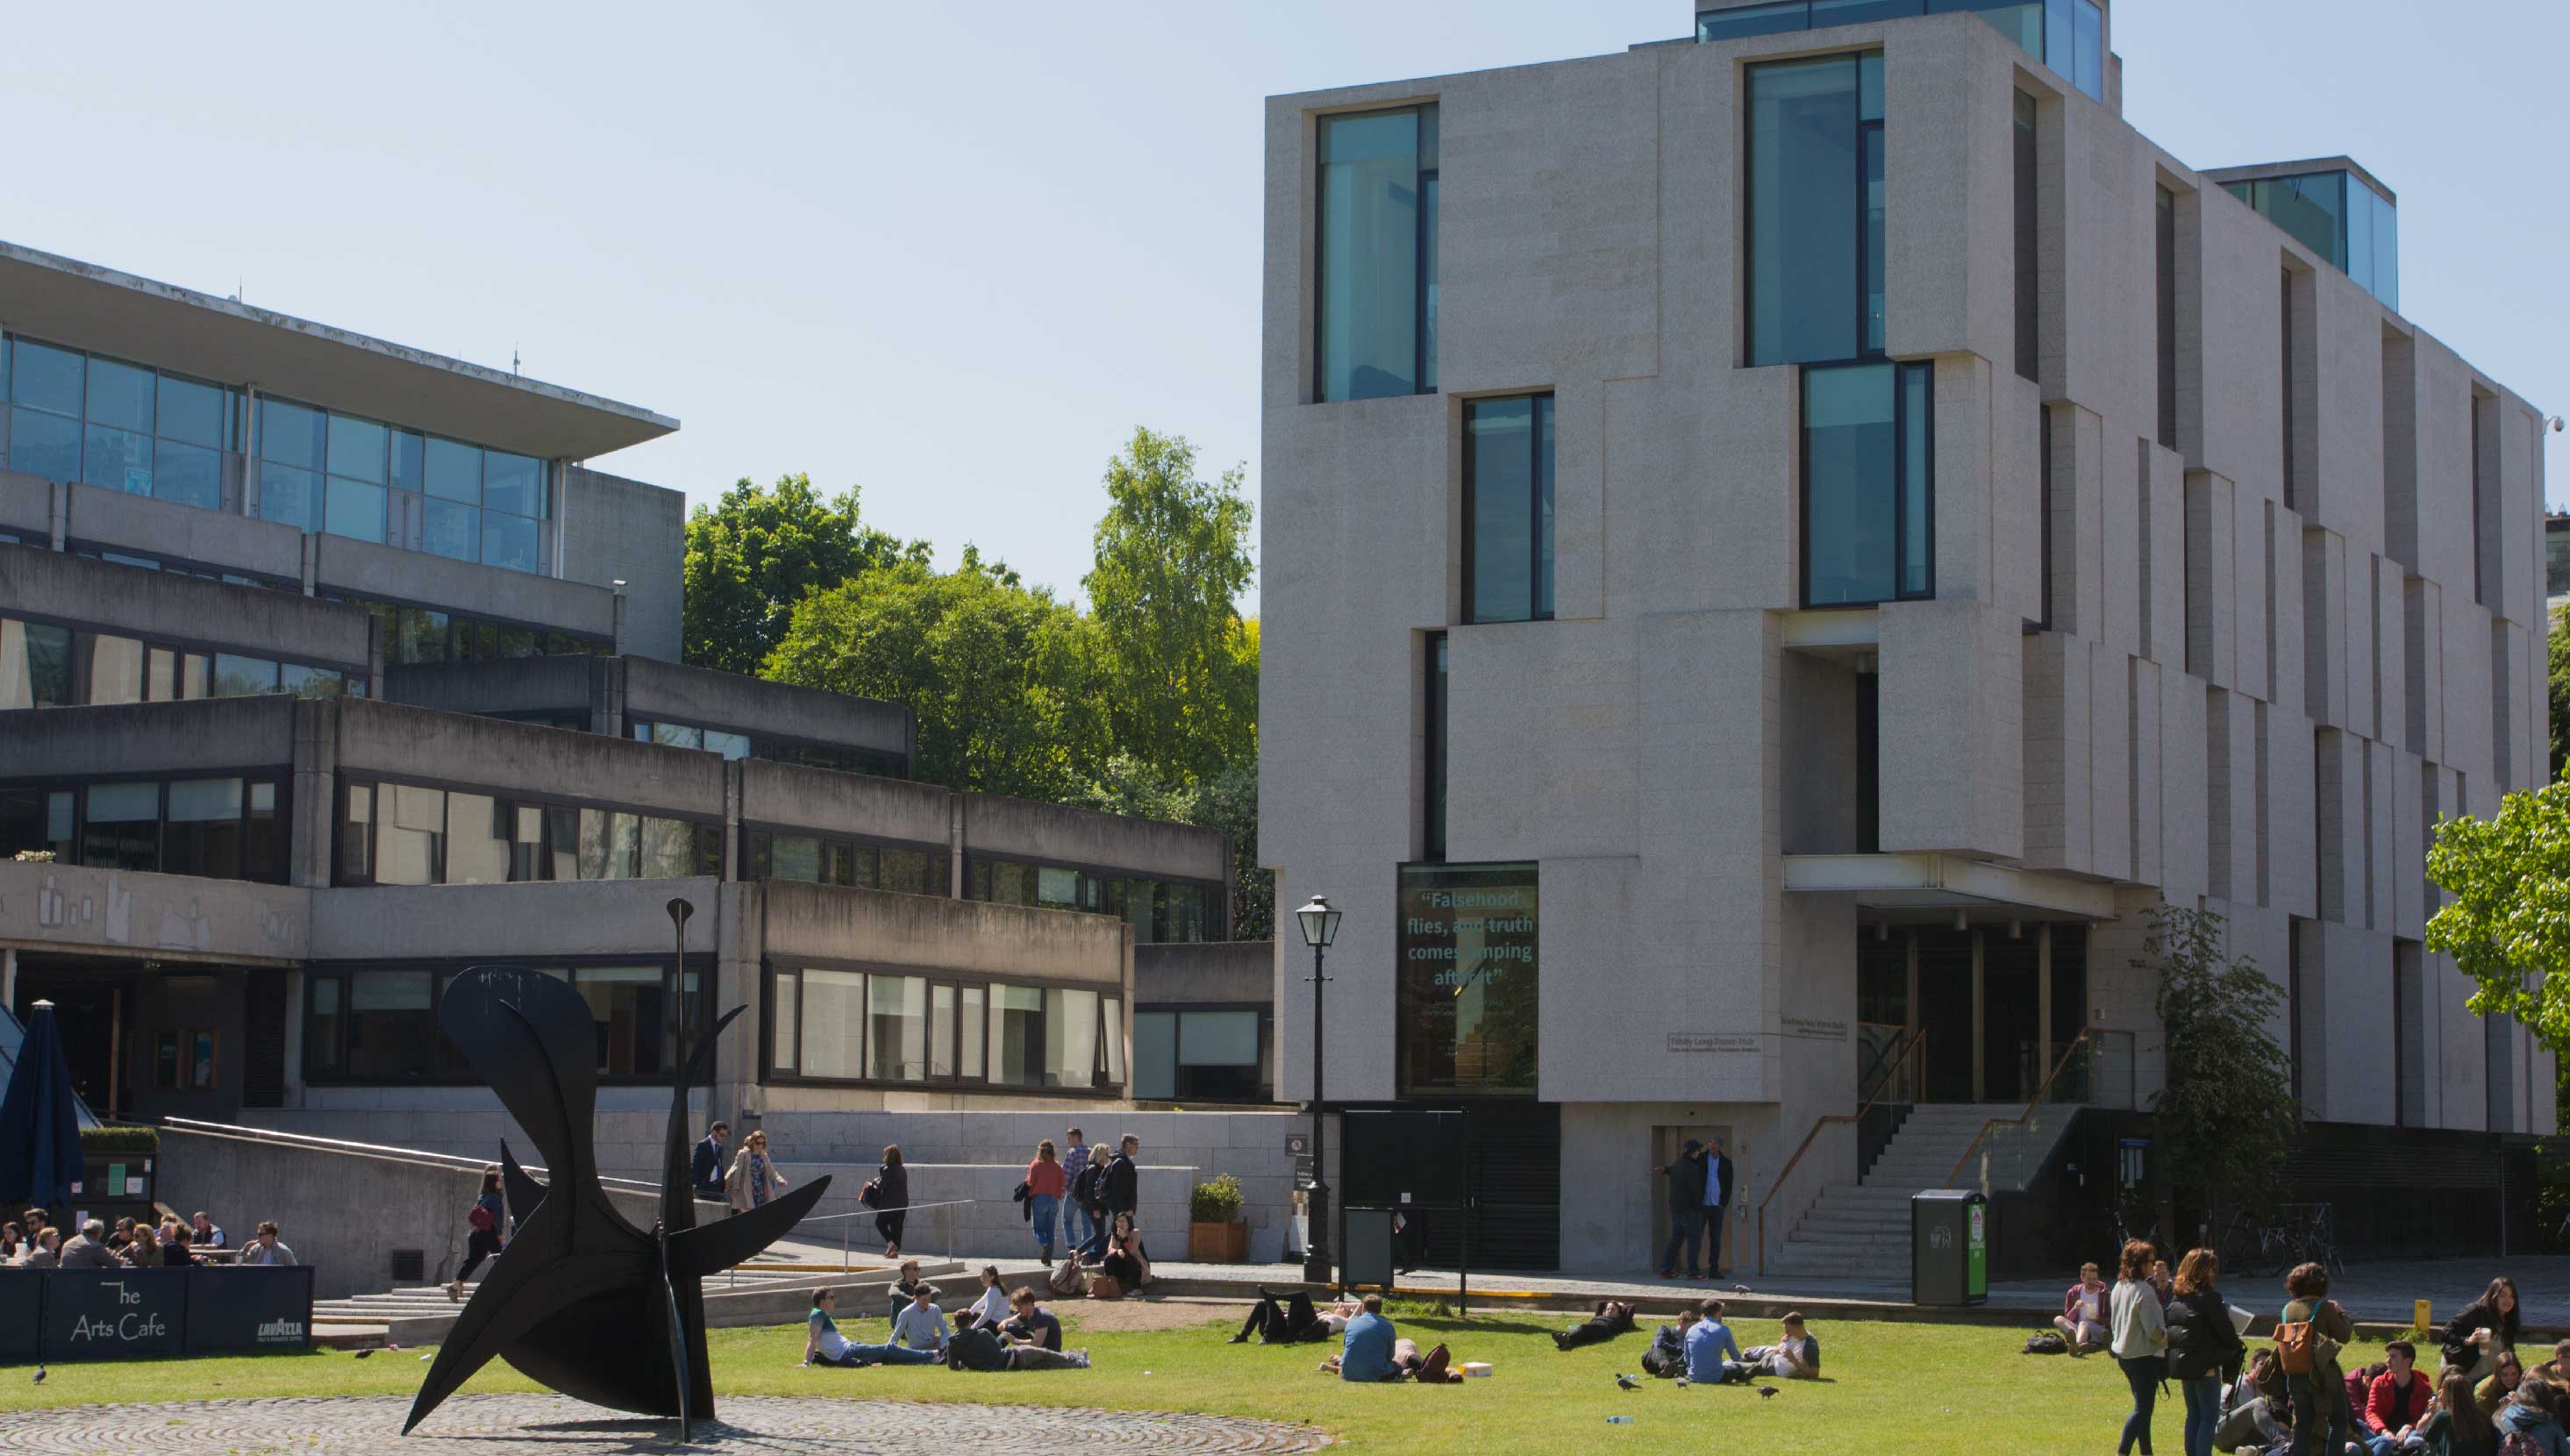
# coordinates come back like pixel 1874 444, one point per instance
pixel 1320 927
pixel 679 911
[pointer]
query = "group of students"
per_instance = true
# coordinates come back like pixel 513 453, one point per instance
pixel 33 1242
pixel 1700 1348
pixel 1083 1191
pixel 998 1332
pixel 2296 1398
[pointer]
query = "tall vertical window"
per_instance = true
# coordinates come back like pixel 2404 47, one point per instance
pixel 1508 503
pixel 2028 243
pixel 1376 331
pixel 1816 216
pixel 1432 837
pixel 2166 276
pixel 1868 484
pixel 2285 315
pixel 2485 501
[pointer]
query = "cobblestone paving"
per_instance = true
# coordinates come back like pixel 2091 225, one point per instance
pixel 524 1425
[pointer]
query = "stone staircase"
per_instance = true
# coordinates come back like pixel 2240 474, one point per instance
pixel 1861 1230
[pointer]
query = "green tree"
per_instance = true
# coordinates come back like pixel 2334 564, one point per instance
pixel 758 552
pixel 2508 923
pixel 2226 1111
pixel 2558 649
pixel 1000 675
pixel 1172 557
pixel 1227 801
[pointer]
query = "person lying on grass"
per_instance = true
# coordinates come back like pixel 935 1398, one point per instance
pixel 1034 1336
pixel 1284 1319
pixel 1612 1317
pixel 1795 1356
pixel 824 1345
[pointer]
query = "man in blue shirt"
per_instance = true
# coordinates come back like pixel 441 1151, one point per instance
pixel 1366 1354
pixel 1707 1343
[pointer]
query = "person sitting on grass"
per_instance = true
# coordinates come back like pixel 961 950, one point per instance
pixel 991 1307
pixel 2082 1321
pixel 2534 1413
pixel 1712 1353
pixel 2396 1404
pixel 1612 1317
pixel 2457 1427
pixel 1666 1359
pixel 2505 1375
pixel 2556 1370
pixel 1794 1356
pixel 903 1287
pixel 1365 1354
pixel 922 1325
pixel 824 1345
pixel 1034 1337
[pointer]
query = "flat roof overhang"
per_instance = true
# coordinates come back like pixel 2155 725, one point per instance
pixel 85 306
pixel 1933 882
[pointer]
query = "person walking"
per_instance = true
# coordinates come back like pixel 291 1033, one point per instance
pixel 1077 1225
pixel 1124 1183
pixel 1089 1194
pixel 2138 1334
pixel 754 1176
pixel 2204 1348
pixel 484 1219
pixel 1717 1201
pixel 2320 1394
pixel 1685 1174
pixel 891 1198
pixel 705 1164
pixel 1043 1198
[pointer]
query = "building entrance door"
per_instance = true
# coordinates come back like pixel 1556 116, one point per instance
pixel 1665 1143
pixel 92 1014
pixel 1996 1011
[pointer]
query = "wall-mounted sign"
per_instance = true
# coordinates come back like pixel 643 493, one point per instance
pixel 1813 1027
pixel 1683 1043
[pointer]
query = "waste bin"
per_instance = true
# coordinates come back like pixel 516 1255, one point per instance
pixel 1949 1247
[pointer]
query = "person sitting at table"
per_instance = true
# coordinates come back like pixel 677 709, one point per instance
pixel 265 1248
pixel 88 1249
pixel 13 1243
pixel 173 1249
pixel 44 1253
pixel 209 1234
pixel 142 1251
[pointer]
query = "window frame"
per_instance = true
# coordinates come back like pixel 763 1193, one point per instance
pixel 1899 370
pixel 1178 1011
pixel 1422 365
pixel 354 674
pixel 1870 137
pixel 1543 425
pixel 751 831
pixel 772 968
pixel 279 776
pixel 442 969
pixel 763 746
pixel 546 848
pixel 1217 907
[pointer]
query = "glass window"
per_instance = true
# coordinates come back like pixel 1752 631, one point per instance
pixel 635 1020
pixel 1872 139
pixel 509 541
pixel 940 1031
pixel 668 848
pixel 1867 490
pixel 120 395
pixel 263 839
pixel 969 1042
pixel 44 377
pixel 1016 1036
pixel 480 842
pixel 677 735
pixel 795 857
pixel 302 682
pixel 2165 290
pixel 161 674
pixel 46 445
pixel 913 871
pixel 189 474
pixel 2028 242
pixel 198 414
pixel 1467 990
pixel 1216 1056
pixel 35 664
pixel 896 1028
pixel 2059 41
pixel 2089 70
pixel 203 836
pixel 115 669
pixel 1071 1037
pixel 289 496
pixel 121 828
pixel 1749 20
pixel 1110 1012
pixel 1805 155
pixel 393 1034
pixel 1507 484
pixel 356 510
pixel 513 483
pixel 117 459
pixel 321 1029
pixel 782 1027
pixel 409 460
pixel 357 448
pixel 1376 268
pixel 833 1023
pixel 37 819
pixel 1851 12
pixel 289 434
pixel 733 747
pixel 357 835
pixel 1433 832
pixel 410 842
pixel 453 531
pixel 1155 1055
pixel 239 676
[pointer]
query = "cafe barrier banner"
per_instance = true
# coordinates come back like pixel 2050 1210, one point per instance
pixel 128 1315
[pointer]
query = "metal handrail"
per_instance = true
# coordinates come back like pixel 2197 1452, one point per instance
pixel 2041 1094
pixel 1776 1185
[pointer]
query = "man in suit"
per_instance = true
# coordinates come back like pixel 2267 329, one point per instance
pixel 706 1168
pixel 1717 1201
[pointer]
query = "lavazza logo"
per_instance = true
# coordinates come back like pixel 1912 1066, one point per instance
pixel 280 1332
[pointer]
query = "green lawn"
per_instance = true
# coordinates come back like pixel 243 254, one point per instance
pixel 1909 1388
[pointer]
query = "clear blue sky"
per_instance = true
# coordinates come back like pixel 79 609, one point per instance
pixel 954 252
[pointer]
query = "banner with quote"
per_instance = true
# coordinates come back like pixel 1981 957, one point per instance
pixel 1467 944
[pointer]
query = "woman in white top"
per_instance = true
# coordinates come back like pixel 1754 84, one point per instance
pixel 2139 1337
pixel 992 1308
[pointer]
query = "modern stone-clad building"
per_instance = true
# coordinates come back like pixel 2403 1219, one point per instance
pixel 328 669
pixel 1781 546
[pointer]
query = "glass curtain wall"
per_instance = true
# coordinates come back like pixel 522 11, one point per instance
pixel 830 1024
pixel 1869 489
pixel 1374 334
pixel 1508 498
pixel 1816 159
pixel 2069 36
pixel 414 834
pixel 101 421
pixel 225 827
pixel 320 470
pixel 2339 217
pixel 379 1024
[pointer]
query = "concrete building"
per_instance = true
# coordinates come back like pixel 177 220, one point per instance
pixel 336 671
pixel 1781 546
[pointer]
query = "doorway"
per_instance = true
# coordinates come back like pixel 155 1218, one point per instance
pixel 92 1014
pixel 1995 1011
pixel 1665 1143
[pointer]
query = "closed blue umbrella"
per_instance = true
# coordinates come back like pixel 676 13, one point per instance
pixel 40 1151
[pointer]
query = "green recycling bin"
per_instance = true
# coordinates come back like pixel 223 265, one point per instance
pixel 1949 1247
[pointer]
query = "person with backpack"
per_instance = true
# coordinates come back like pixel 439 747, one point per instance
pixel 2531 1423
pixel 1077 1225
pixel 2457 1426
pixel 1087 1194
pixel 2488 1327
pixel 2204 1348
pixel 2137 1334
pixel 483 1219
pixel 2309 1335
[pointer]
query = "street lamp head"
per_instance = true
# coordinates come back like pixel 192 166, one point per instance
pixel 1320 922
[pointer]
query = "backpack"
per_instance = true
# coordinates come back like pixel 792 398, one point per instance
pixel 2519 1443
pixel 2046 1343
pixel 2295 1344
pixel 1084 1189
pixel 976 1349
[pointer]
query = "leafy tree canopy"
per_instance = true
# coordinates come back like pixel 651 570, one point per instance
pixel 759 550
pixel 2508 924
pixel 2226 1113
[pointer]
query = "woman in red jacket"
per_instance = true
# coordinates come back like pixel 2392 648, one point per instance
pixel 1044 1196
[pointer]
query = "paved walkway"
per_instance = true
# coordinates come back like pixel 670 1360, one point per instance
pixel 524 1425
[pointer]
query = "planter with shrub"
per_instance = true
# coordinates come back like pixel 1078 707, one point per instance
pixel 1216 1234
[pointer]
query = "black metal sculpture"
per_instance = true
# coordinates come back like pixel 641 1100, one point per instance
pixel 582 1301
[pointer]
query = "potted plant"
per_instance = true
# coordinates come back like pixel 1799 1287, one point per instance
pixel 1216 1234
